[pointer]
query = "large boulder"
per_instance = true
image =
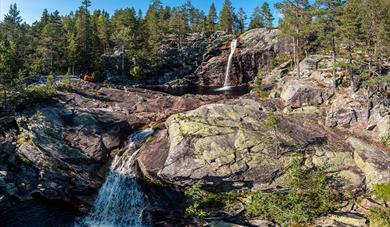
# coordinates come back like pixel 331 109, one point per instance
pixel 373 161
pixel 299 93
pixel 233 145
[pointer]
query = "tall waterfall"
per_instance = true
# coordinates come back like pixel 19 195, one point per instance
pixel 120 201
pixel 233 47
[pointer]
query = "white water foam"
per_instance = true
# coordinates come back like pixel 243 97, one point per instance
pixel 120 201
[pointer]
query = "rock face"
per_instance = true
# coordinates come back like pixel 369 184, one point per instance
pixel 362 113
pixel 256 48
pixel 358 115
pixel 63 147
pixel 375 163
pixel 233 146
pixel 299 93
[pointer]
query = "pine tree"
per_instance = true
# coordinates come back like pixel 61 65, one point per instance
pixel 7 66
pixel 71 53
pixel 227 17
pixel 328 22
pixel 212 19
pixel 376 11
pixel 241 20
pixel 256 19
pixel 15 33
pixel 83 35
pixel 127 31
pixel 296 23
pixel 178 26
pixel 267 15
pixel 353 34
pixel 154 28
pixel 104 29
pixel 384 34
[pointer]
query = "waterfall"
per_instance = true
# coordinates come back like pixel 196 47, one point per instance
pixel 233 47
pixel 120 201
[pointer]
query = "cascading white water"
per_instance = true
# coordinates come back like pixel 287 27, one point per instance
pixel 233 47
pixel 120 201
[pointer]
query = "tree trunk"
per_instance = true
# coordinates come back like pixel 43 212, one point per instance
pixel 298 59
pixel 351 77
pixel 294 53
pixel 5 95
pixel 334 55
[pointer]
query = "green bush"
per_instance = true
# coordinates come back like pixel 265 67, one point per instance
pixel 379 217
pixel 97 76
pixel 385 139
pixel 135 72
pixel 382 192
pixel 203 203
pixel 50 80
pixel 260 93
pixel 307 198
pixel 65 84
pixel 35 93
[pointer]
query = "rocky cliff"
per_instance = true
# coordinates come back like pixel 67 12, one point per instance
pixel 256 49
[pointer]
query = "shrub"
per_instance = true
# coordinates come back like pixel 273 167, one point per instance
pixel 22 158
pixel 379 217
pixel 261 93
pixel 35 93
pixel 50 80
pixel 382 191
pixel 65 83
pixel 385 139
pixel 203 203
pixel 307 198
pixel 97 76
pixel 135 72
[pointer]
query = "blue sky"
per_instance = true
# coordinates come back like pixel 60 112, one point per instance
pixel 31 10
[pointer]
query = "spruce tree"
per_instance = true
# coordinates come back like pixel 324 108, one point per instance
pixel 241 20
pixel 104 29
pixel 15 33
pixel 84 35
pixel 256 19
pixel 227 17
pixel 154 28
pixel 212 19
pixel 267 15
